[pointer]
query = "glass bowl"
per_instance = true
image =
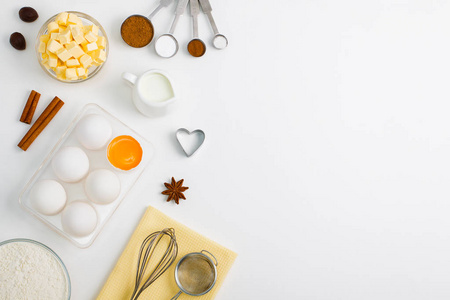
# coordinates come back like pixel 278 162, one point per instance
pixel 87 20
pixel 51 252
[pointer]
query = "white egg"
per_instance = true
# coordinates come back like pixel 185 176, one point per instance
pixel 70 164
pixel 93 132
pixel 79 219
pixel 48 197
pixel 102 186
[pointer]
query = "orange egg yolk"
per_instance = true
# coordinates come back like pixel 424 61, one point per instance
pixel 124 152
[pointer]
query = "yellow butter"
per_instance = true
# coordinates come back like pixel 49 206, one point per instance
pixel 93 28
pixel 101 42
pixel 73 19
pixel 76 51
pixel 61 19
pixel 81 72
pixel 41 48
pixel 90 37
pixel 44 38
pixel 53 27
pixel 63 54
pixel 102 56
pixel 71 45
pixel 53 60
pixel 65 37
pixel 60 70
pixel 53 46
pixel 71 73
pixel 73 62
pixel 91 47
pixel 54 36
pixel 86 61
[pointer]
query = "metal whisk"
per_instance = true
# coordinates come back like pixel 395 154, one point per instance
pixel 145 254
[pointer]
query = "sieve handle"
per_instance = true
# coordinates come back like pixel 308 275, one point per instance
pixel 211 255
pixel 176 296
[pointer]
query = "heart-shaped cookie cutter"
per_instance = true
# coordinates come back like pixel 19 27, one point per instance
pixel 201 141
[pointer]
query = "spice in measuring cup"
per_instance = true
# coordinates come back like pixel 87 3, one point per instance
pixel 137 31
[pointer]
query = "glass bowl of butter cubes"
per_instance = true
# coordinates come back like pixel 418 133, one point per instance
pixel 72 47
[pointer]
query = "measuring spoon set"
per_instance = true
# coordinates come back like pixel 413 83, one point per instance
pixel 167 45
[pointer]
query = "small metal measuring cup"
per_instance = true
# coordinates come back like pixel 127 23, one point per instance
pixel 149 38
pixel 219 41
pixel 195 274
pixel 169 39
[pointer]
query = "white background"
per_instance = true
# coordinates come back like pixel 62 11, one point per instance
pixel 326 162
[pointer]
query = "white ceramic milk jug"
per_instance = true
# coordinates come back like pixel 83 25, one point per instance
pixel 153 92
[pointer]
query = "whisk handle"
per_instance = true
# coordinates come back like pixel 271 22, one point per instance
pixel 176 296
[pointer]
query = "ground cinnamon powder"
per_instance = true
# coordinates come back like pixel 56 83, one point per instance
pixel 196 48
pixel 137 31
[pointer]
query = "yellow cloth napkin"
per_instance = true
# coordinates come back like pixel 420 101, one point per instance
pixel 120 283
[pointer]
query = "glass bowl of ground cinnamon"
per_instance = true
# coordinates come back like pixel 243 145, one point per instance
pixel 72 47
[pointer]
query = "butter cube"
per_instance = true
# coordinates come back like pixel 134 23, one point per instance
pixel 53 27
pixel 94 54
pixel 85 61
pixel 91 47
pixel 44 38
pixel 75 29
pixel 45 56
pixel 73 62
pixel 73 19
pixel 81 72
pixel 63 54
pixel 61 19
pixel 53 60
pixel 65 37
pixel 90 37
pixel 54 36
pixel 41 48
pixel 79 39
pixel 70 45
pixel 71 73
pixel 101 42
pixel 93 28
pixel 53 46
pixel 60 70
pixel 102 56
pixel 84 45
pixel 61 76
pixel 76 51
pixel 62 28
pixel 46 66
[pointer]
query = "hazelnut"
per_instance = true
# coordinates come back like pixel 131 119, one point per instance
pixel 17 40
pixel 28 14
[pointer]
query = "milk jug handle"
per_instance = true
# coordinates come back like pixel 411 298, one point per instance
pixel 130 78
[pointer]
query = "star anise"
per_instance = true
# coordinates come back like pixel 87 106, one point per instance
pixel 175 190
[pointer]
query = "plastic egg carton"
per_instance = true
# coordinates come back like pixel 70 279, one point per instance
pixel 97 160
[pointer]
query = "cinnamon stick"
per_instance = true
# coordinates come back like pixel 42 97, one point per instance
pixel 47 115
pixel 30 107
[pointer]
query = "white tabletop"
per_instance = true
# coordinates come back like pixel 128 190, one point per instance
pixel 325 165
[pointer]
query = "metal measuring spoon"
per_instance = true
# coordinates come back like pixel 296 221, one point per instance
pixel 196 47
pixel 167 45
pixel 219 40
pixel 141 37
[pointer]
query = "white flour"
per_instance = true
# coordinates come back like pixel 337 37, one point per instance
pixel 30 272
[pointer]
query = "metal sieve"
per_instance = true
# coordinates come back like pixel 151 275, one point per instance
pixel 195 274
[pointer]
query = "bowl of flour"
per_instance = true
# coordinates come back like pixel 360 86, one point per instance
pixel 31 270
